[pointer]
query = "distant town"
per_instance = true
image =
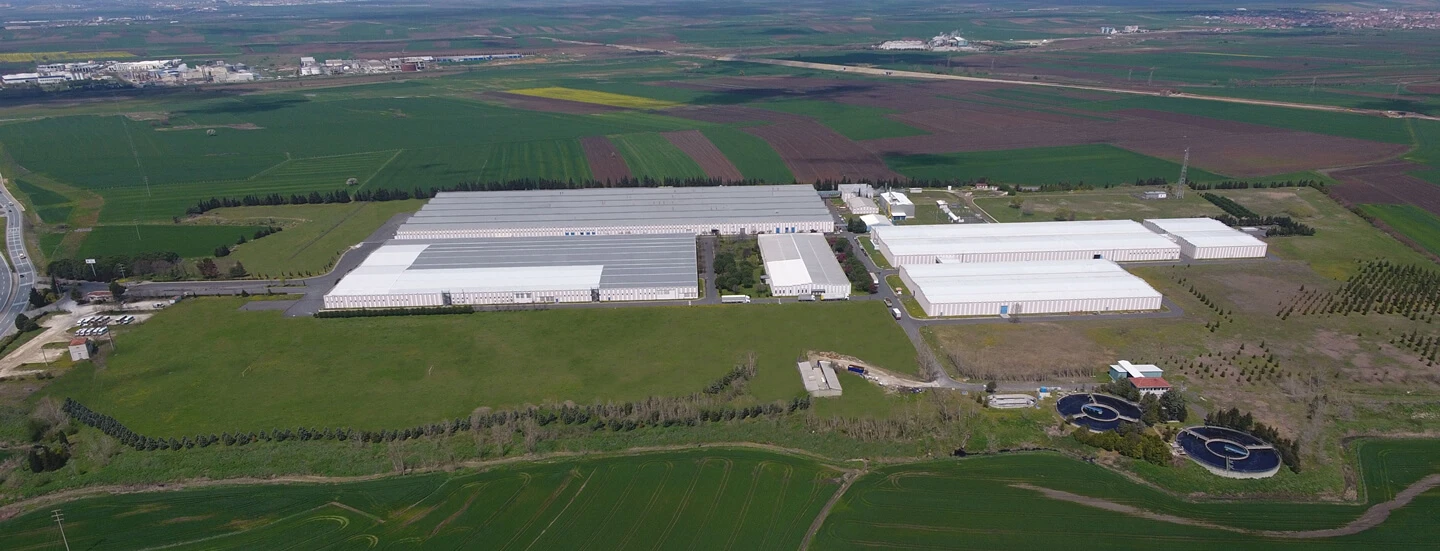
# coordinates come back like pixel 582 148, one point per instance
pixel 1292 19
pixel 177 72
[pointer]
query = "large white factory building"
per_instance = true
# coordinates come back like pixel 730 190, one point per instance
pixel 620 211
pixel 802 264
pixel 1208 238
pixel 1027 288
pixel 599 268
pixel 1118 240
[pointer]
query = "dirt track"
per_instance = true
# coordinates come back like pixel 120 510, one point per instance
pixel 1371 518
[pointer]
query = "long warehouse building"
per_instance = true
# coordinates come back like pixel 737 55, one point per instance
pixel 1208 238
pixel 802 264
pixel 600 268
pixel 1032 287
pixel 620 211
pixel 1118 240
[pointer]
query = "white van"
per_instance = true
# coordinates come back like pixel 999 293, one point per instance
pixel 895 312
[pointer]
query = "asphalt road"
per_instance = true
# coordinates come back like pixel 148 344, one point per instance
pixel 17 284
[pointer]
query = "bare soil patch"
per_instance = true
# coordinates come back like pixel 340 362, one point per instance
pixel 709 157
pixel 606 164
pixel 1388 183
pixel 548 105
pixel 814 152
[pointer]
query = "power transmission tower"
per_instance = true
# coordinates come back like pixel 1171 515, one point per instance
pixel 1150 78
pixel 1184 168
pixel 1313 80
pixel 60 521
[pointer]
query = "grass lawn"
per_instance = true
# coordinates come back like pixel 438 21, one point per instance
pixel 651 155
pixel 51 207
pixel 204 366
pixel 875 256
pixel 852 121
pixel 1095 164
pixel 1414 222
pixel 1108 204
pixel 188 241
pixel 314 236
pixel 752 155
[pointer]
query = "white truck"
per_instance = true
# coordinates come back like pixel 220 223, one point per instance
pixel 734 299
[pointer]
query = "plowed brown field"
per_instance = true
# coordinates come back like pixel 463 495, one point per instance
pixel 1388 183
pixel 709 157
pixel 606 164
pixel 815 152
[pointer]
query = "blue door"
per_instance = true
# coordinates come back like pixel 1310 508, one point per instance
pixel 1004 309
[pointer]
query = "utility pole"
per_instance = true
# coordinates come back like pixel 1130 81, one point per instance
pixel 1184 168
pixel 1312 84
pixel 1129 74
pixel 1150 78
pixel 60 521
pixel 137 229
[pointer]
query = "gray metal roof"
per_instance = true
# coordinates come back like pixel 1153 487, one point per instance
pixel 665 260
pixel 608 207
pixel 810 248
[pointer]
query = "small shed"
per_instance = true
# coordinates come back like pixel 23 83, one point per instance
pixel 80 349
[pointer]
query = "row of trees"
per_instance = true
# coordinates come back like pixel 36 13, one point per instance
pixel 854 269
pixel 111 267
pixel 1242 184
pixel 1378 286
pixel 383 312
pixel 1238 215
pixel 1233 418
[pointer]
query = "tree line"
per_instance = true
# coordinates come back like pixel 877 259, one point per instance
pixel 1237 214
pixel 854 269
pixel 408 311
pixel 1232 418
pixel 1242 184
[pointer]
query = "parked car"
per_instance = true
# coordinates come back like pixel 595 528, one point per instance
pixel 889 303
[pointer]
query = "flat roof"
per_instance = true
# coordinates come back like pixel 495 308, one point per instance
pixel 1026 281
pixel 1136 370
pixel 1020 237
pixel 800 259
pixel 609 207
pixel 1205 232
pixel 860 202
pixel 896 198
pixel 524 264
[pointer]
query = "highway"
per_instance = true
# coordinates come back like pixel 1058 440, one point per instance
pixel 17 289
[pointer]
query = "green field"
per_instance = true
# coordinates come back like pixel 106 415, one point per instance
pixel 1092 164
pixel 733 499
pixel 314 236
pixel 1416 223
pixel 852 121
pixel 51 207
pixel 712 499
pixel 973 504
pixel 755 158
pixel 186 241
pixel 650 155
pixel 204 366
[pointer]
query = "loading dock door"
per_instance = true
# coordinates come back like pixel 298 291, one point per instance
pixel 1004 309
